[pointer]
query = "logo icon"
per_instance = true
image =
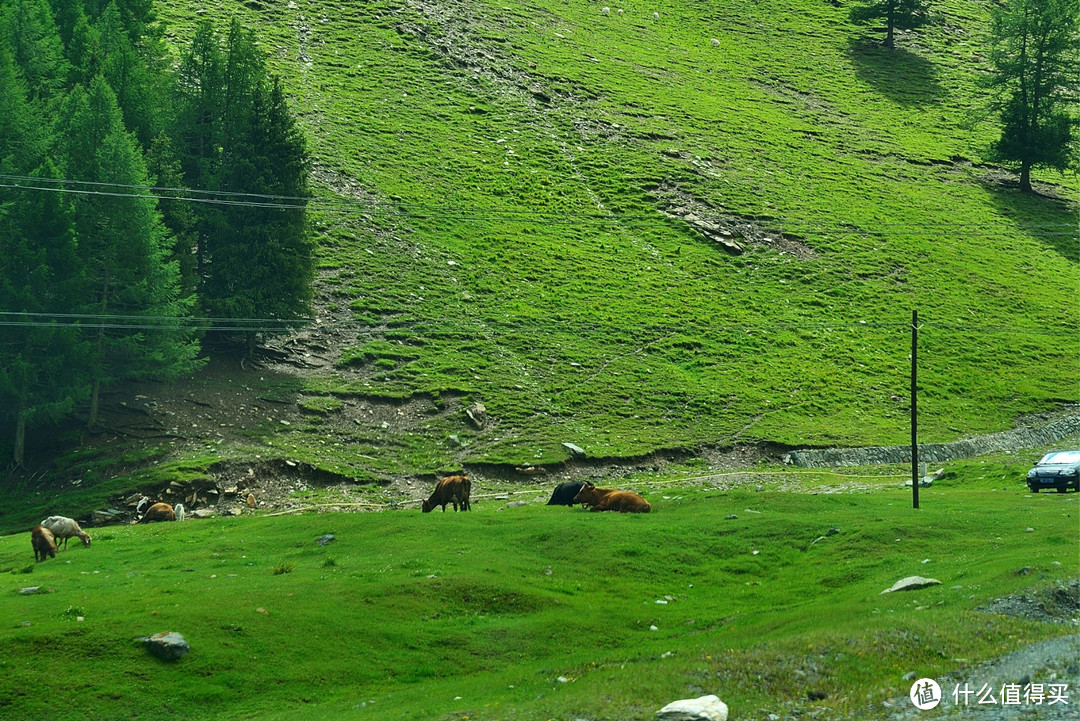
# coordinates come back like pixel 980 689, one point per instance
pixel 925 694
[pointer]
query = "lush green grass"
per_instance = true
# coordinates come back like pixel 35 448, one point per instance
pixel 504 238
pixel 480 614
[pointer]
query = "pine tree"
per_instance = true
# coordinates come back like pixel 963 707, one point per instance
pixel 236 135
pixel 41 373
pixel 197 130
pixel 897 14
pixel 27 26
pixel 263 266
pixel 123 247
pixel 1035 57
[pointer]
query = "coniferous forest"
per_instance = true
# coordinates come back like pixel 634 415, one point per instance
pixel 141 197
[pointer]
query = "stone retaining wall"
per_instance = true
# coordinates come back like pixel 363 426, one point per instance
pixel 939 452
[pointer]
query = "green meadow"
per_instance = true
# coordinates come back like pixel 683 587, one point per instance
pixel 537 612
pixel 503 193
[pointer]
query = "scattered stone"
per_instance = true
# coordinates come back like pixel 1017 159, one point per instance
pixel 912 583
pixel 832 531
pixel 730 517
pixel 323 540
pixel 235 511
pixel 167 646
pixel 251 500
pixel 30 590
pixel 202 513
pixel 231 491
pixel 575 451
pixel 705 708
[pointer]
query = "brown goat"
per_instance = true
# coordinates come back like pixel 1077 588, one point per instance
pixel 452 489
pixel 610 499
pixel 158 512
pixel 43 542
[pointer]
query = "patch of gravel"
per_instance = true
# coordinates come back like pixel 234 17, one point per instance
pixel 1055 661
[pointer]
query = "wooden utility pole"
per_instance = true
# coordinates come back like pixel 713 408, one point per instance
pixel 914 409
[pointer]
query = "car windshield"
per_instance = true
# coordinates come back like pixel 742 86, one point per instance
pixel 1060 457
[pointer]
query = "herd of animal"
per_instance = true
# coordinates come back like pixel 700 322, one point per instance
pixel 455 490
pixel 452 490
pixel 46 536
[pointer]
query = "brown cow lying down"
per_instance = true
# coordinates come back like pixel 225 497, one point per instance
pixel 157 513
pixel 609 499
pixel 452 489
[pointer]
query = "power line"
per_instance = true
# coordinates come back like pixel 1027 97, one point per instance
pixel 436 328
pixel 421 211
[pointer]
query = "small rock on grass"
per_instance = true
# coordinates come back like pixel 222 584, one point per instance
pixel 912 583
pixel 167 646
pixel 705 708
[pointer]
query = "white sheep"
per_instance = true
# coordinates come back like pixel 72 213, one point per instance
pixel 656 16
pixel 715 43
pixel 605 10
pixel 142 504
pixel 179 511
pixel 64 528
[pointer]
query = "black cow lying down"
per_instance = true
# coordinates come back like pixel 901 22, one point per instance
pixel 564 493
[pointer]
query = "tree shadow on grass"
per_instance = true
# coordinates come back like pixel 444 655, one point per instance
pixel 1044 215
pixel 898 74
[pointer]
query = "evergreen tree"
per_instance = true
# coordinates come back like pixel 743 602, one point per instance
pixel 197 131
pixel 41 374
pixel 897 14
pixel 1035 52
pixel 123 247
pixel 263 266
pixel 27 26
pixel 236 135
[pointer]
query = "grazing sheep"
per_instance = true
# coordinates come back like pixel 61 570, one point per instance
pixel 179 511
pixel 714 42
pixel 158 512
pixel 656 16
pixel 64 528
pixel 605 11
pixel 43 542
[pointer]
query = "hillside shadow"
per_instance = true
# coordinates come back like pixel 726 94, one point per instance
pixel 1043 215
pixel 898 74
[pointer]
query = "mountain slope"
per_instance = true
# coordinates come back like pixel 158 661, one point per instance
pixel 534 206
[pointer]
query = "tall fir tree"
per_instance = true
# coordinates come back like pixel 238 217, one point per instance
pixel 236 135
pixel 29 29
pixel 42 370
pixel 1035 53
pixel 123 248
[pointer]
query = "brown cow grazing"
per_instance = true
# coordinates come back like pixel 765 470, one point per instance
pixel 158 512
pixel 452 489
pixel 43 542
pixel 610 499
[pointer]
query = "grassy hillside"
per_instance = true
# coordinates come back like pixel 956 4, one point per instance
pixel 504 218
pixel 538 612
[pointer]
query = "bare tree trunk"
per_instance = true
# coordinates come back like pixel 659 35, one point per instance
pixel 20 435
pixel 95 394
pixel 1025 177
